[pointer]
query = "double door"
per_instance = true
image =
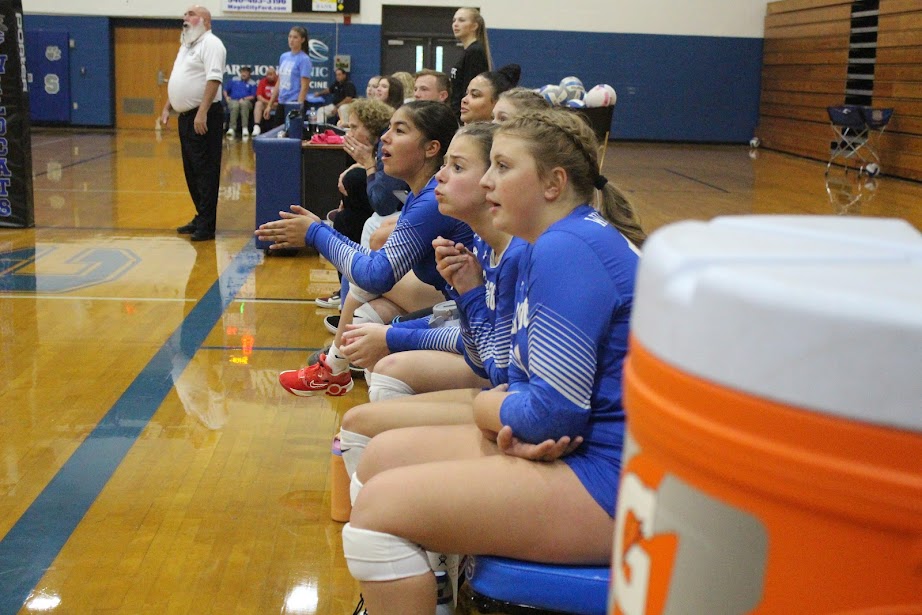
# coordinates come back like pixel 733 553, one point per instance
pixel 414 53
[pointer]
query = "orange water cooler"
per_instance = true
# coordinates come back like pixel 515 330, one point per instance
pixel 773 462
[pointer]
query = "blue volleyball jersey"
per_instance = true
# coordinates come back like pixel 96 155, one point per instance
pixel 569 340
pixel 418 334
pixel 408 247
pixel 487 311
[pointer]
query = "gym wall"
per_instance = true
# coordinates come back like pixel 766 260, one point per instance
pixel 807 68
pixel 683 71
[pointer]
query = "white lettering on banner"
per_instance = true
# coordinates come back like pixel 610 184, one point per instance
pixel 257 6
pixel 21 39
pixel 324 5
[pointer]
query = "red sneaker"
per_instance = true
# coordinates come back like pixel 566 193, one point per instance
pixel 316 378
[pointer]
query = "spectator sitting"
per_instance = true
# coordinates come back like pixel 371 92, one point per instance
pixel 432 85
pixel 342 93
pixel 240 94
pixel 407 81
pixel 264 97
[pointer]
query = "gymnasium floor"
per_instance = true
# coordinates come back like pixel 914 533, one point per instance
pixel 149 461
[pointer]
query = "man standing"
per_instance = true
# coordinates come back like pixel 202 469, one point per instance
pixel 432 85
pixel 240 94
pixel 195 93
pixel 342 93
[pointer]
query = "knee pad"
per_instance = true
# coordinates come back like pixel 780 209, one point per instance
pixel 366 313
pixel 381 387
pixel 352 446
pixel 355 485
pixel 376 556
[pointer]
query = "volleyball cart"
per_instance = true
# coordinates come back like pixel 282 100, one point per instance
pixel 857 132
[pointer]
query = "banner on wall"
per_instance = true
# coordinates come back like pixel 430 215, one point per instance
pixel 256 6
pixel 16 204
pixel 291 6
pixel 261 50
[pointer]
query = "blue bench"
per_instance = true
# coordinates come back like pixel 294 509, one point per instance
pixel 514 587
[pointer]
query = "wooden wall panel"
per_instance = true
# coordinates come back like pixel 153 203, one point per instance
pixel 805 69
pixel 898 84
pixel 785 6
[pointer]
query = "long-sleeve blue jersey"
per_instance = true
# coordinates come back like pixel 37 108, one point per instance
pixel 408 247
pixel 569 340
pixel 487 311
pixel 418 334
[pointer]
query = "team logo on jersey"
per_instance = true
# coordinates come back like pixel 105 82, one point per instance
pixel 679 550
pixel 491 294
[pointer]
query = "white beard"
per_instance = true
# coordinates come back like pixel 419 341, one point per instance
pixel 191 33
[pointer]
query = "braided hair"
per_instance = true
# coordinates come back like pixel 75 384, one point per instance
pixel 559 138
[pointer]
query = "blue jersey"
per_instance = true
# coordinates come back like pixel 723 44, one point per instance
pixel 408 247
pixel 569 340
pixel 419 334
pixel 487 311
pixel 292 68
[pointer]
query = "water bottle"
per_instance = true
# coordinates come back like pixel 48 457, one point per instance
pixel 312 120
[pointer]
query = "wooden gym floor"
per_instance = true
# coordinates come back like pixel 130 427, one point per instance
pixel 149 461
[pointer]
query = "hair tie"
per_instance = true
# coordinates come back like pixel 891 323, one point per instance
pixel 600 182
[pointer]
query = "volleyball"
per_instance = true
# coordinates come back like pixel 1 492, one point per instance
pixel 754 142
pixel 575 103
pixel 572 88
pixel 602 95
pixel 873 169
pixel 552 94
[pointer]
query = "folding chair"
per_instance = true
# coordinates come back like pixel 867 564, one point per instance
pixel 857 132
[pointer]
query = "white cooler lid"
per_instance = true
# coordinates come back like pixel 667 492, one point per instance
pixel 817 312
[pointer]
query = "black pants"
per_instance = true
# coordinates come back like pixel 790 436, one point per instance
pixel 356 207
pixel 201 162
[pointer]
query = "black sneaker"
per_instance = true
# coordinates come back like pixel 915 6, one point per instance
pixel 202 236
pixel 331 323
pixel 186 229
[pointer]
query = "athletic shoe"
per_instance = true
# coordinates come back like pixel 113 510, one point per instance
pixel 316 378
pixel 331 323
pixel 202 236
pixel 186 229
pixel 230 133
pixel 246 134
pixel 314 357
pixel 257 130
pixel 332 301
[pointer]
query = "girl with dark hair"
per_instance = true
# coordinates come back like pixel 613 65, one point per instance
pixel 412 150
pixel 484 90
pixel 294 72
pixel 390 91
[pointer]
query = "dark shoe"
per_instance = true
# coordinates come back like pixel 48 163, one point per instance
pixel 202 236
pixel 186 229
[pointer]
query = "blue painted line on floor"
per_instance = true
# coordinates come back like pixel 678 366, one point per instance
pixel 33 543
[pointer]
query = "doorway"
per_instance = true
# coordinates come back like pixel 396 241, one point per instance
pixel 418 37
pixel 143 61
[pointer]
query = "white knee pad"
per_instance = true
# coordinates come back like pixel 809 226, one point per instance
pixel 381 387
pixel 376 556
pixel 355 485
pixel 352 445
pixel 366 313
